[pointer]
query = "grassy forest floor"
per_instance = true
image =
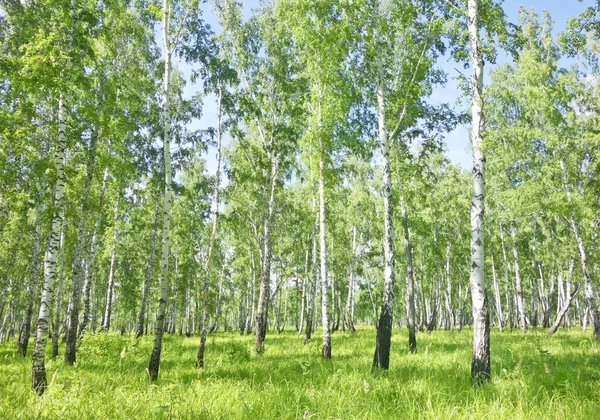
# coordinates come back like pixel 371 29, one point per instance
pixel 534 376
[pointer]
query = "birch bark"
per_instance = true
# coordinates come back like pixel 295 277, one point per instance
pixel 350 301
pixel 410 295
pixel 33 274
pixel 480 365
pixel 381 359
pixel 78 260
pixel 518 285
pixel 146 293
pixel 590 299
pixel 56 321
pixel 497 296
pixel 154 364
pixel 265 272
pixel 38 365
pixel 326 347
pixel 208 267
pixel 111 273
pixel 313 286
pixel 88 283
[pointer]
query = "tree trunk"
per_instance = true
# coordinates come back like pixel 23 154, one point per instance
pixel 105 326
pixel 562 312
pixel 215 326
pixel 373 306
pixel 450 322
pixel 350 300
pixel 326 348
pixel 410 298
pixel 313 287
pixel 303 298
pixel 509 308
pixel 480 365
pixel 39 381
pixel 188 300
pixel 94 300
pixel 262 314
pixel 78 260
pixel 33 274
pixel 497 296
pixel 2 315
pixel 589 288
pixel 154 363
pixel 173 317
pixel 544 297
pixel 432 319
pixel 243 307
pixel 333 328
pixel 139 331
pixel 518 288
pixel 58 303
pixel 208 267
pixel 253 273
pixel 533 298
pixel 383 340
pixel 88 282
pixel 172 323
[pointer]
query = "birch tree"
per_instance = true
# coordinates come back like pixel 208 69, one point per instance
pixel 321 40
pixel 183 33
pixel 399 46
pixel 480 365
pixel 269 104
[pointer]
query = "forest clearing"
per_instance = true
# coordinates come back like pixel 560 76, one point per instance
pixel 298 208
pixel 534 377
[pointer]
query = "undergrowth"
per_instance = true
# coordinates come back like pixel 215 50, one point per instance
pixel 533 376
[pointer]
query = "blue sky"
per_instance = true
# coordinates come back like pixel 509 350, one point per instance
pixel 457 142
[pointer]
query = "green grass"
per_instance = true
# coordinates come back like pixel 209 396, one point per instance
pixel 534 376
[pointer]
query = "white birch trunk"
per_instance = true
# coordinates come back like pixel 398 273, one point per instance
pixel 89 266
pixel 243 304
pixel 350 300
pixel 497 297
pixel 149 268
pixel 563 310
pixel 509 307
pixel 111 273
pixel 33 275
pixel 310 312
pixel 39 381
pixel 303 299
pixel 410 281
pixel 589 287
pixel 480 366
pixel 326 348
pixel 518 286
pixel 265 271
pixel 78 260
pixel 188 299
pixel 253 299
pixel 208 267
pixel 381 359
pixel 58 301
pixel 154 364
pixel 449 308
